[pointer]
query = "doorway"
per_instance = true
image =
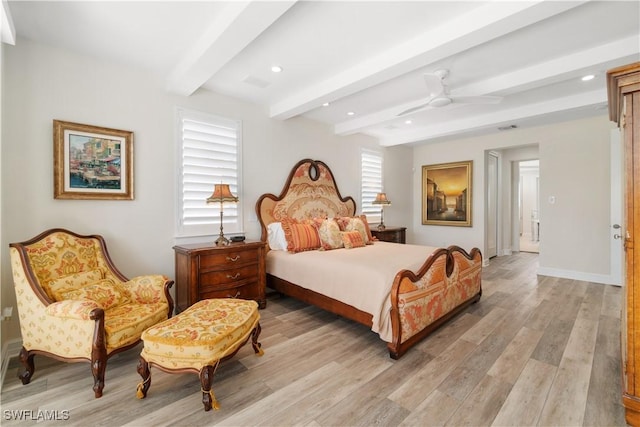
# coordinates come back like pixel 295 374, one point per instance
pixel 529 205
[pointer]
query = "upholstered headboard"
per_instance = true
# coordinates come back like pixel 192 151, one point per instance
pixel 310 192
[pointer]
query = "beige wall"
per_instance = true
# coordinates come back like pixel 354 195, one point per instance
pixel 43 84
pixel 574 168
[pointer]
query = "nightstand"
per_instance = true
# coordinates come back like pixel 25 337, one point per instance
pixel 390 234
pixel 209 271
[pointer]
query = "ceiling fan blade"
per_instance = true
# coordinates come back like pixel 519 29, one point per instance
pixel 477 99
pixel 414 109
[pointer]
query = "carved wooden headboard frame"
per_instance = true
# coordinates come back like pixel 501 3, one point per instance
pixel 310 192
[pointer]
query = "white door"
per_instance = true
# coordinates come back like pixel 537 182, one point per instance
pixel 492 205
pixel 617 220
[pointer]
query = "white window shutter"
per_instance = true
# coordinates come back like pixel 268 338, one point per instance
pixel 371 176
pixel 209 155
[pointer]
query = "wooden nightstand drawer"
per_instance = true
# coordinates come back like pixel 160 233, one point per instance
pixel 246 291
pixel 220 277
pixel 233 271
pixel 229 258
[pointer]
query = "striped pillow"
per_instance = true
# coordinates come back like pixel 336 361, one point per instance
pixel 355 223
pixel 301 236
pixel 352 239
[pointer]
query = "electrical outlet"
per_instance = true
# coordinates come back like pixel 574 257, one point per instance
pixel 6 313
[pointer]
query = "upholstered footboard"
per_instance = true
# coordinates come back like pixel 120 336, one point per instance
pixel 448 281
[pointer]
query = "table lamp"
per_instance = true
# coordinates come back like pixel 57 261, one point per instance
pixel 222 194
pixel 381 199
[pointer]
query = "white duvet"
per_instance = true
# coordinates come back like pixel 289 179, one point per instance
pixel 361 277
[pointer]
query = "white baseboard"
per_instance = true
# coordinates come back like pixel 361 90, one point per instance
pixel 11 349
pixel 577 275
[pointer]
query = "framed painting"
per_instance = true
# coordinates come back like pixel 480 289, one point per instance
pixel 92 162
pixel 446 194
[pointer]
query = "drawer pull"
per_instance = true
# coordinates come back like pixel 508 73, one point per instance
pixel 235 276
pixel 234 259
pixel 235 296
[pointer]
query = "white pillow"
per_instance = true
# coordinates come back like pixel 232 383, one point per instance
pixel 275 237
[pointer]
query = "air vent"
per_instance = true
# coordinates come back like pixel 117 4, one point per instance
pixel 254 81
pixel 508 127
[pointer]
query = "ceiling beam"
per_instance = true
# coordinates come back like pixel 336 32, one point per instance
pixel 493 120
pixel 479 26
pixel 238 24
pixel 532 77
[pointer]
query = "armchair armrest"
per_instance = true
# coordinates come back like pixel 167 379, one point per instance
pixel 149 289
pixel 73 309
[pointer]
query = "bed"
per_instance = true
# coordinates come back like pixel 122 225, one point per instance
pixel 402 292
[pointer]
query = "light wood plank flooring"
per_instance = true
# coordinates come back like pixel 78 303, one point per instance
pixel 534 351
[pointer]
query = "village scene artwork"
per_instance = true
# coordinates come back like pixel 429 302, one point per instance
pixel 446 194
pixel 94 162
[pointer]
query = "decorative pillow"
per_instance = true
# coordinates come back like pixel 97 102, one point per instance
pixel 352 239
pixel 275 237
pixel 55 288
pixel 368 229
pixel 354 224
pixel 301 236
pixel 329 232
pixel 105 293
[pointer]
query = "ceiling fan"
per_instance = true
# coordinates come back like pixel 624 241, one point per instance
pixel 439 94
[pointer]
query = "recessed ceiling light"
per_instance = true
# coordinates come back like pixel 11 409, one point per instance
pixel 588 77
pixel 326 104
pixel 276 69
pixel 350 113
pixel 407 122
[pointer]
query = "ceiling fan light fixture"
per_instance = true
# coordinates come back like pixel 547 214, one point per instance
pixel 441 101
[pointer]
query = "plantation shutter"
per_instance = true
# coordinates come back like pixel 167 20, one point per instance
pixel 371 182
pixel 210 155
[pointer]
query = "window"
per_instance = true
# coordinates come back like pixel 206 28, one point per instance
pixel 371 176
pixel 209 154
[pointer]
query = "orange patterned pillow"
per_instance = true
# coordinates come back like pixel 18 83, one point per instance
pixel 57 287
pixel 352 239
pixel 301 236
pixel 366 227
pixel 354 224
pixel 105 293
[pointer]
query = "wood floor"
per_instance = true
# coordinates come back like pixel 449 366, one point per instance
pixel 534 351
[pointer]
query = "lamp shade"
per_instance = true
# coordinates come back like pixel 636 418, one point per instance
pixel 381 199
pixel 221 193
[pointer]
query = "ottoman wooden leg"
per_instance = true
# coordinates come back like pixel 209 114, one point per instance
pixel 257 347
pixel 206 378
pixel 145 373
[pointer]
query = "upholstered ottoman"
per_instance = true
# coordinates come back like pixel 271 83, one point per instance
pixel 197 340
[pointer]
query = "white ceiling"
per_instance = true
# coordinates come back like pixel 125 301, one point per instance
pixel 367 57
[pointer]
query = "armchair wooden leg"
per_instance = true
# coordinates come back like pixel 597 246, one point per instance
pixel 145 373
pixel 98 368
pixel 98 352
pixel 27 362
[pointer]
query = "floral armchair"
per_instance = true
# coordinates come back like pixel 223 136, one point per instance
pixel 75 305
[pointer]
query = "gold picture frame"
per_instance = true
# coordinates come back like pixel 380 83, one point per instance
pixel 446 194
pixel 91 162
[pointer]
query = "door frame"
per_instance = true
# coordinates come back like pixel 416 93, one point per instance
pixel 495 186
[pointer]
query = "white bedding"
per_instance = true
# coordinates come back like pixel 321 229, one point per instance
pixel 361 277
